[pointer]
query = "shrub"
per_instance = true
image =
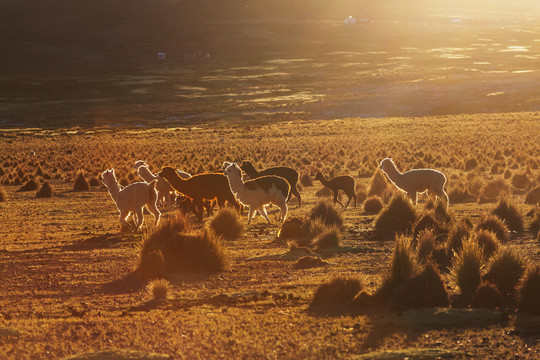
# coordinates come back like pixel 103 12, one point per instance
pixel 466 267
pixel 326 213
pixel 45 191
pixel 533 196
pixel 227 223
pixel 521 181
pixel 403 265
pixel 494 224
pixel 460 194
pixel 535 222
pixel 306 180
pixel 152 266
pixel 373 204
pixel 426 244
pixel 427 222
pixel 529 290
pixel 294 228
pixel 81 184
pixel 184 249
pixel 329 237
pixel 94 181
pixel 3 194
pixel 507 211
pixel 158 288
pixel 487 296
pixel 470 164
pixel 488 241
pixel 505 269
pixel 493 189
pixel 378 184
pixel 338 290
pixel 30 185
pixel 398 216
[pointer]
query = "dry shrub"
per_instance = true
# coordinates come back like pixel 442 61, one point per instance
pixel 529 290
pixel 396 217
pixel 494 224
pixel 30 185
pixel 94 182
pixel 228 223
pixel 339 290
pixel 426 244
pixel 488 241
pixel 306 180
pixel 533 196
pixel 158 288
pixel 470 164
pixel 373 204
pixel 3 194
pixel 505 269
pixel 460 194
pixel 378 184
pixel 507 211
pixel 45 191
pixel 81 184
pixel 535 222
pixel 152 266
pixel 329 237
pixel 487 296
pixel 326 213
pixel 404 265
pixel 466 267
pixel 521 181
pixel 492 190
pixel 428 222
pixel 184 249
pixel 294 228
pixel 426 289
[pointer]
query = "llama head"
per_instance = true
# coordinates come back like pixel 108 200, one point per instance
pixel 246 165
pixel 386 164
pixel 167 171
pixel 319 175
pixel 108 177
pixel 139 163
pixel 231 169
pixel 226 164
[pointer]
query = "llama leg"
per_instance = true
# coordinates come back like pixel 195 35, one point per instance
pixel 354 197
pixel 262 211
pixel 283 211
pixel 251 214
pixel 348 201
pixel 336 193
pixel 443 196
pixel 296 193
pixel 140 219
pixel 123 216
pixel 152 207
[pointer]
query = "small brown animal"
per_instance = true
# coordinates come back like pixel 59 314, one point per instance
pixel 345 183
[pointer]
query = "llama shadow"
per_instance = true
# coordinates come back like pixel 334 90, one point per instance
pixel 127 284
pixel 107 240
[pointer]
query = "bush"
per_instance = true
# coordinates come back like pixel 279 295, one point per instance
pixel 521 181
pixel 326 213
pixel 494 224
pixel 378 184
pixel 466 267
pixel 184 249
pixel 373 204
pixel 535 222
pixel 338 290
pixel 81 184
pixel 45 191
pixel 533 196
pixel 529 290
pixel 306 180
pixel 3 194
pixel 158 288
pixel 404 265
pixel 227 223
pixel 507 211
pixel 487 296
pixel 470 164
pixel 152 266
pixel 294 228
pixel 396 217
pixel 30 185
pixel 493 189
pixel 459 194
pixel 427 222
pixel 505 269
pixel 329 237
pixel 426 244
pixel 488 241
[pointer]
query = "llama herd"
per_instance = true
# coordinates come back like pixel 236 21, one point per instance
pixel 274 186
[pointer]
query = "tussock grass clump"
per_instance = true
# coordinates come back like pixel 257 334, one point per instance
pixel 306 180
pixel 505 269
pixel 467 266
pixel 426 244
pixel 470 164
pixel 293 228
pixel 327 214
pixel 307 262
pixel 458 233
pixel 184 249
pixel 492 190
pixel 404 265
pixel 533 196
pixel 30 185
pixel 336 291
pixel 460 194
pixel 428 222
pixel 521 181
pixel 507 211
pixel 152 266
pixel 487 296
pixel 228 223
pixel 373 204
pixel 396 217
pixel 45 191
pixel 487 240
pixel 378 184
pixel 329 237
pixel 535 222
pixel 528 290
pixel 81 184
pixel 3 194
pixel 158 288
pixel 94 181
pixel 494 224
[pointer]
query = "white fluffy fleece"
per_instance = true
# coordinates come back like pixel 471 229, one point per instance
pixel 132 199
pixel 163 187
pixel 259 192
pixel 416 181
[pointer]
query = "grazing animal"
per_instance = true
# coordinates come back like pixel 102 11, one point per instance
pixel 163 187
pixel 259 192
pixel 345 183
pixel 200 187
pixel 186 205
pixel 416 181
pixel 132 199
pixel 287 173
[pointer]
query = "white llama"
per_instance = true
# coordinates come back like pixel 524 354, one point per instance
pixel 259 192
pixel 163 187
pixel 416 181
pixel 132 199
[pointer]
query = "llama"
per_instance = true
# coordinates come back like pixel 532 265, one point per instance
pixel 163 187
pixel 184 175
pixel 259 192
pixel 345 183
pixel 416 181
pixel 287 173
pixel 132 199
pixel 199 187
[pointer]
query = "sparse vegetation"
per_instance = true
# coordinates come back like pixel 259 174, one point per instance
pixel 45 191
pixel 228 223
pixel 507 211
pixel 495 225
pixel 339 290
pixel 529 290
pixel 467 266
pixel 398 216
pixel 505 269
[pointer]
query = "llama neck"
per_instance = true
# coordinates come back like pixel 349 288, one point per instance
pixel 114 190
pixel 324 181
pixel 393 174
pixel 235 183
pixel 251 172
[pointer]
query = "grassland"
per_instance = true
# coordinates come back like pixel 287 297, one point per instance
pixel 67 283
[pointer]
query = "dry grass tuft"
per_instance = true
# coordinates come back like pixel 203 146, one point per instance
pixel 152 266
pixel 505 269
pixel 338 291
pixel 81 184
pixel 307 262
pixel 378 184
pixel 45 191
pixel 493 190
pixel 30 185
pixel 328 238
pixel 487 296
pixel 494 224
pixel 327 214
pixel 466 267
pixel 293 228
pixel 373 204
pixel 158 288
pixel 396 217
pixel 529 290
pixel 3 194
pixel 228 223
pixel 459 232
pixel 404 265
pixel 488 241
pixel 507 211
pixel 533 196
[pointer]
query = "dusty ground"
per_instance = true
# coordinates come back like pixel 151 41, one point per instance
pixel 66 278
